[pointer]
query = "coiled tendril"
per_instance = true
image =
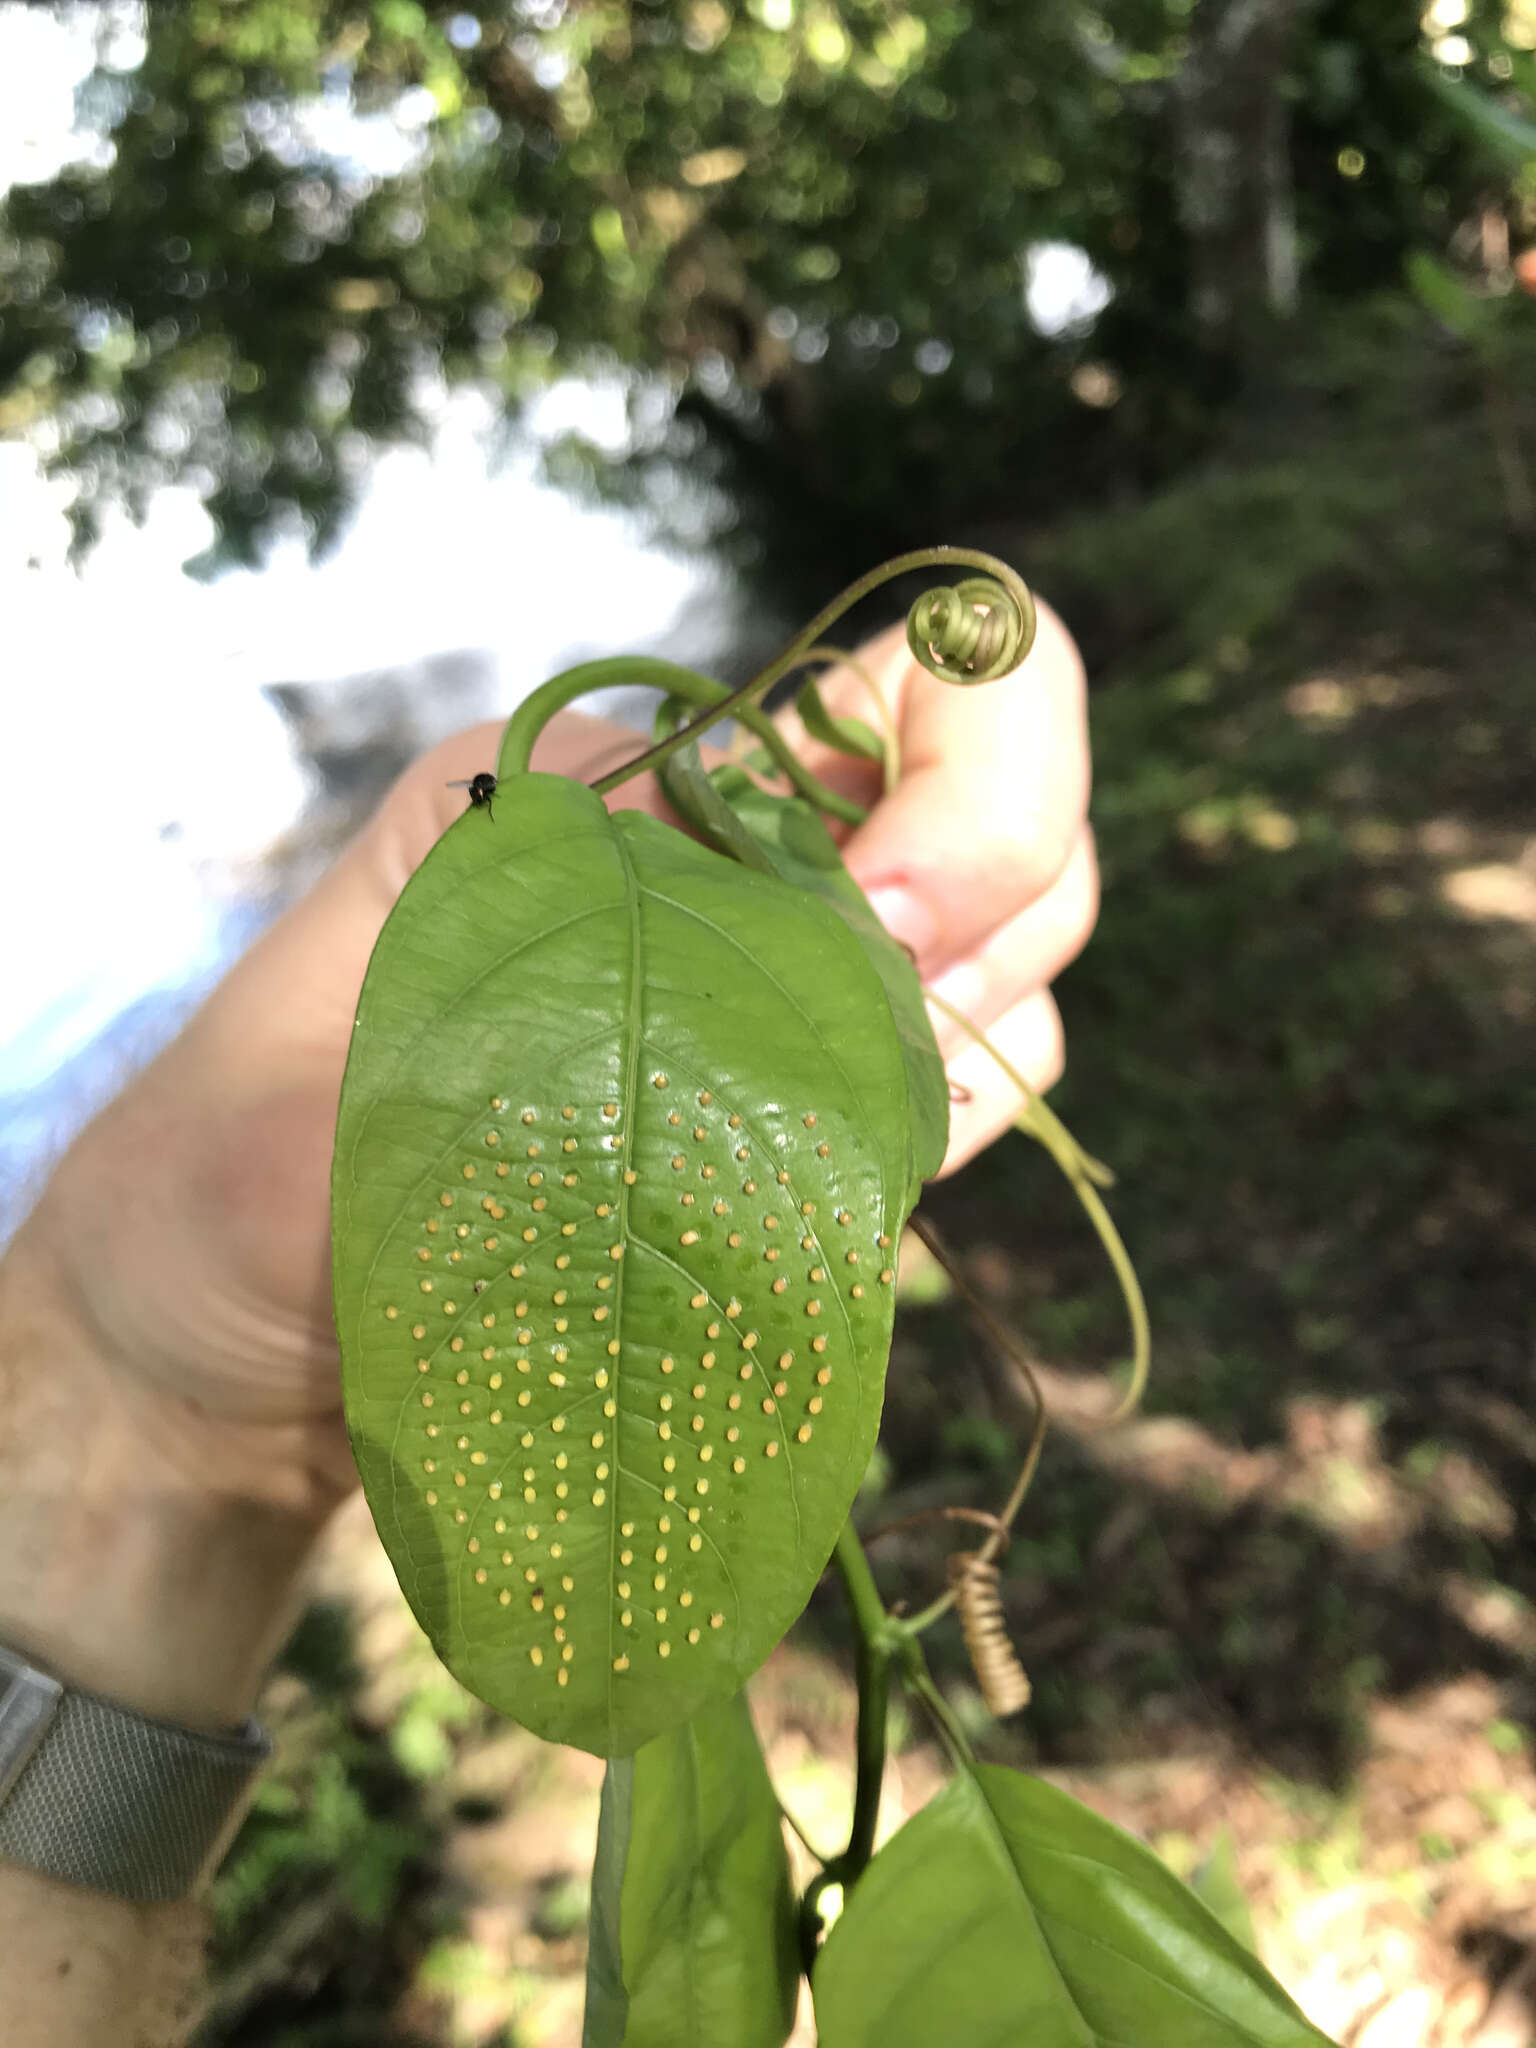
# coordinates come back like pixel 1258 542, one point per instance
pixel 973 631
pixel 970 632
pixel 1003 1680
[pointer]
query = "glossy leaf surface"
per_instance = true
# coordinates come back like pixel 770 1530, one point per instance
pixel 1507 137
pixel 621 1159
pixel 693 1925
pixel 1216 1884
pixel 854 736
pixel 1006 1913
pixel 794 838
pixel 787 837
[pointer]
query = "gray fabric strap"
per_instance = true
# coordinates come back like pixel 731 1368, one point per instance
pixel 121 1803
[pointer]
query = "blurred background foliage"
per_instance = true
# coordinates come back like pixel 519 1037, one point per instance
pixel 811 221
pixel 1219 318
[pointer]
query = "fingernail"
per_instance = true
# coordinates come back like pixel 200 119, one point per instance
pixel 907 918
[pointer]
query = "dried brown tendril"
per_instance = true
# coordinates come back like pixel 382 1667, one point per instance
pixel 1004 1683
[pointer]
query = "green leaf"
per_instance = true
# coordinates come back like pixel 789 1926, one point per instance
pixel 1216 1884
pixel 1506 136
pixel 692 794
pixel 849 735
pixel 1445 297
pixel 607 2002
pixel 1006 1913
pixel 695 1896
pixel 621 1157
pixel 795 838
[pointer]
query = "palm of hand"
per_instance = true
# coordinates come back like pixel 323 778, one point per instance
pixel 198 1226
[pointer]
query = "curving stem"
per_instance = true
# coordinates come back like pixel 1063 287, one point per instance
pixel 876 1641
pixel 1013 1356
pixel 647 671
pixel 1085 1176
pixel 884 1643
pixel 877 1637
pixel 971 632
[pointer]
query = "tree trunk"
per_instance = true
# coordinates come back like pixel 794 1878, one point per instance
pixel 1236 198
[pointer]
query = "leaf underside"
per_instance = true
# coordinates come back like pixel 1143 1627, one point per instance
pixel 621 1159
pixel 794 838
pixel 693 1926
pixel 1004 1912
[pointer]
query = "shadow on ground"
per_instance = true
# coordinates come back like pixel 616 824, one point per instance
pixel 1293 1600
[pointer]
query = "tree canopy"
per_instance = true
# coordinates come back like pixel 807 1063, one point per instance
pixel 809 219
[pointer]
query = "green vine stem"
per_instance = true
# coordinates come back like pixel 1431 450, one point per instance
pixel 1086 1176
pixel 883 1642
pixel 976 630
pixel 1003 1342
pixel 877 1639
pixel 918 1680
pixel 535 712
pixel 890 734
pixel 972 632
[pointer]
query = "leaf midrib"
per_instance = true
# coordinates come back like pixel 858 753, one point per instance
pixel 816 905
pixel 630 1096
pixel 699 1285
pixel 728 937
pixel 409 1045
pixel 1044 1919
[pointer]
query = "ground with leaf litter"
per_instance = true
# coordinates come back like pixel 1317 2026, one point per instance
pixel 416 1871
pixel 1289 1608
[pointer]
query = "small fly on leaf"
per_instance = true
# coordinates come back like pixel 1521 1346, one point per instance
pixel 482 788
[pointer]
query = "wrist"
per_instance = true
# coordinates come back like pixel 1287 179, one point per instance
pixel 133 1563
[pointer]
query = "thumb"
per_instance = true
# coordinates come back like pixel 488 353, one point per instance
pixel 949 857
pixel 991 801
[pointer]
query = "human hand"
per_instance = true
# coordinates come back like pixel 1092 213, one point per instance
pixel 173 1430
pixel 189 1227
pixel 176 1274
pixel 981 859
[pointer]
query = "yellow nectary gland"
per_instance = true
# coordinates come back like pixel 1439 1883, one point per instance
pixel 532 1326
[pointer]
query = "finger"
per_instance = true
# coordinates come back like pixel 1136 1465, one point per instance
pixel 1026 953
pixel 251 1087
pixel 1030 1038
pixel 321 946
pixel 990 802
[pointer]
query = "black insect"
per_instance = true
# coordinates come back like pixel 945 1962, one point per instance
pixel 482 788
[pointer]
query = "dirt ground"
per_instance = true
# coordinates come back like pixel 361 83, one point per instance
pixel 1283 1622
pixel 1399 1909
